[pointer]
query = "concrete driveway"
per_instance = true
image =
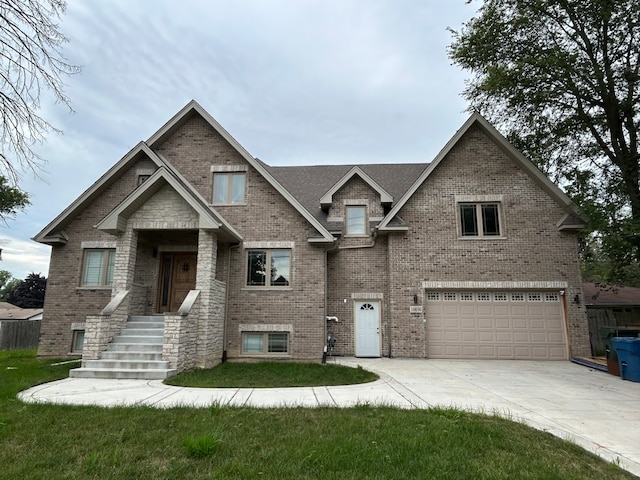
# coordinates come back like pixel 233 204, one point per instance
pixel 596 410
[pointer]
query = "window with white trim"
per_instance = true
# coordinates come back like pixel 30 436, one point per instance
pixel 265 343
pixel 228 188
pixel 98 265
pixel 480 219
pixel 356 220
pixel 269 268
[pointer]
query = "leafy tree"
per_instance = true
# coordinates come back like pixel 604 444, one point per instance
pixel 7 284
pixel 30 292
pixel 31 62
pixel 561 78
pixel 12 199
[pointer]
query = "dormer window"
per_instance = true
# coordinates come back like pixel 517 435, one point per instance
pixel 356 220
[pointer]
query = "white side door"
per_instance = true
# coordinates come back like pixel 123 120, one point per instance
pixel 367 315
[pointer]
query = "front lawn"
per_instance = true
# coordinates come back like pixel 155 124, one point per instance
pixel 63 442
pixel 272 374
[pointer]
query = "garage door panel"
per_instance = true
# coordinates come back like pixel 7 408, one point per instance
pixel 486 337
pixel 506 325
pixel 484 323
pixel 503 323
pixel 470 336
pixel 521 337
pixel 539 337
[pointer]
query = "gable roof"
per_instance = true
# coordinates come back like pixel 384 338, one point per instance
pixel 540 178
pixel 327 198
pixel 310 183
pixel 194 108
pixel 208 218
pixel 54 233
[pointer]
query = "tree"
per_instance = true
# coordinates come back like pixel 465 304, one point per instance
pixel 30 292
pixel 7 284
pixel 561 79
pixel 31 62
pixel 12 199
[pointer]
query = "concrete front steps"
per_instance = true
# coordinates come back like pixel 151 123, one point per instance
pixel 135 353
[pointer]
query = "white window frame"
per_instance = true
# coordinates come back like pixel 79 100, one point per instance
pixel 268 252
pixel 265 344
pixel 228 188
pixel 107 267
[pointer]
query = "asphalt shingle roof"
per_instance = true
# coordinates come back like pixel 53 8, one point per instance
pixel 309 183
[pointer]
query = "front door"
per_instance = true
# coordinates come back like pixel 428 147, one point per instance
pixel 177 277
pixel 367 328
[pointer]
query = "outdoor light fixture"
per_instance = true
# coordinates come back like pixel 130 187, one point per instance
pixel 415 299
pixel 576 299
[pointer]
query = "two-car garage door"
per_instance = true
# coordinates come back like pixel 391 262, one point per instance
pixel 501 325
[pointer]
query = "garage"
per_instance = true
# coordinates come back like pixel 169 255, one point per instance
pixel 527 325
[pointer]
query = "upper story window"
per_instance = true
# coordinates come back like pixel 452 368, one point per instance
pixel 269 268
pixel 356 220
pixel 228 188
pixel 98 266
pixel 480 219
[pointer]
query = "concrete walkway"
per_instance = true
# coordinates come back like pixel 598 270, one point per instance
pixel 596 410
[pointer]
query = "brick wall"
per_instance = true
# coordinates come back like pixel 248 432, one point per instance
pixel 533 249
pixel 265 217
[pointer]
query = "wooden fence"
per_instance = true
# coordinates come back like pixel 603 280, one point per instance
pixel 19 334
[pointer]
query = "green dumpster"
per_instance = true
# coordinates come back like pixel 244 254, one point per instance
pixel 607 332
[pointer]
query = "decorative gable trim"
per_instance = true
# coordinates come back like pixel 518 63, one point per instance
pixel 194 108
pixel 116 220
pixel 53 234
pixel 540 178
pixel 327 198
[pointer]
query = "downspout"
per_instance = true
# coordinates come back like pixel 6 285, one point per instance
pixel 226 304
pixel 326 293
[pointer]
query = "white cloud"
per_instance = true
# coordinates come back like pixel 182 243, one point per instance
pixel 313 82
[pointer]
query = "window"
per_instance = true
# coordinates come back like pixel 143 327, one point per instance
pixel 98 267
pixel 265 343
pixel 77 341
pixel 268 268
pixel 480 219
pixel 228 188
pixel 142 179
pixel 356 220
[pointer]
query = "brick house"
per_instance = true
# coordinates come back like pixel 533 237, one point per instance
pixel 473 255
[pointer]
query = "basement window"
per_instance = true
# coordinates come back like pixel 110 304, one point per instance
pixel 265 343
pixel 77 341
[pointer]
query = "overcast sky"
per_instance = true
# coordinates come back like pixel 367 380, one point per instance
pixel 296 82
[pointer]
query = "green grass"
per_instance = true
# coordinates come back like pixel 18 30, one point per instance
pixel 64 442
pixel 272 374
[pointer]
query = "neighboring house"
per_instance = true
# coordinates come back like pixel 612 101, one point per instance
pixel 610 305
pixel 473 255
pixel 19 327
pixel 11 312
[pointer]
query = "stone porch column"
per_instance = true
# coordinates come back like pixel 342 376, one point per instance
pixel 126 251
pixel 212 297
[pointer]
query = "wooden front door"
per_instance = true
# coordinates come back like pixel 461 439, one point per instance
pixel 177 277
